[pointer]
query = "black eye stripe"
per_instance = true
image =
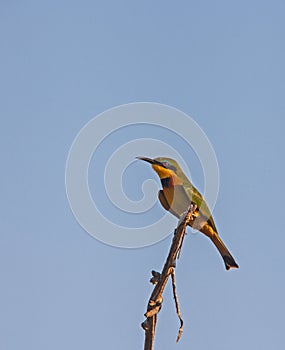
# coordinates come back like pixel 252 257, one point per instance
pixel 168 166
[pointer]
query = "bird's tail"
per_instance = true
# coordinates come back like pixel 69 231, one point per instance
pixel 226 255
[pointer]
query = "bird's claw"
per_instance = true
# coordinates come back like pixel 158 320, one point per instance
pixel 192 208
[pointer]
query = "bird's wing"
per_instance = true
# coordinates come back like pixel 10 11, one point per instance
pixel 198 199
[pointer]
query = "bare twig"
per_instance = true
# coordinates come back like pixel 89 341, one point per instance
pixel 160 280
pixel 177 305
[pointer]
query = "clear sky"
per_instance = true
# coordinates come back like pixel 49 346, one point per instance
pixel 64 62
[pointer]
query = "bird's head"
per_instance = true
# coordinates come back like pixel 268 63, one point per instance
pixel 165 168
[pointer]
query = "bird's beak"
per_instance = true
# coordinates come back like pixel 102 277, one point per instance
pixel 151 161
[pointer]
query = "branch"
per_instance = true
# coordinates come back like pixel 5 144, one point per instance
pixel 160 280
pixel 177 305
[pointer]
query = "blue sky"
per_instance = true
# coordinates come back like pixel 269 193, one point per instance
pixel 64 62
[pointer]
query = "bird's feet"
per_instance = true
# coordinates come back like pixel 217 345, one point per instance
pixel 191 209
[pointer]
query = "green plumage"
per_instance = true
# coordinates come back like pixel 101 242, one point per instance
pixel 177 195
pixel 191 191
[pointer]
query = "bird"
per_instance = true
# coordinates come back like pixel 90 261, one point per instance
pixel 176 196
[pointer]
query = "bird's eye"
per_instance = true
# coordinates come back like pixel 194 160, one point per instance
pixel 168 166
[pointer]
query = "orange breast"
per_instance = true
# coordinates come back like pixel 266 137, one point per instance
pixel 177 198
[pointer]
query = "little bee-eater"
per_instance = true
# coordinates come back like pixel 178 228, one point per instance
pixel 176 196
